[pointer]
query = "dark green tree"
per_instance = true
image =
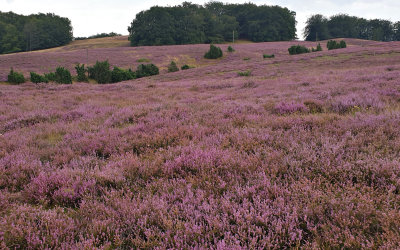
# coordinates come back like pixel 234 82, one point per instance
pixel 316 28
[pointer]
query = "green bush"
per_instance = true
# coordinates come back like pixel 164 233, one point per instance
pixel 36 78
pixel 81 72
pixel 119 75
pixel 172 67
pixel 268 56
pixel 214 52
pixel 297 49
pixel 319 48
pixel 143 60
pixel 63 76
pixel 144 70
pixel 244 73
pixel 246 59
pixel 184 67
pixel 15 77
pixel 100 72
pixel 51 77
pixel 230 49
pixel 332 44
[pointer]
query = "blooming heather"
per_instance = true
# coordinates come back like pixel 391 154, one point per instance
pixel 304 153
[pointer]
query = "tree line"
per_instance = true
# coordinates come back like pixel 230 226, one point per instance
pixel 39 31
pixel 319 27
pixel 214 22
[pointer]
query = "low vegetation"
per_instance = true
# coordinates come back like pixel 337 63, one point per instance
pixel 15 77
pixel 268 56
pixel 298 49
pixel 172 67
pixel 332 44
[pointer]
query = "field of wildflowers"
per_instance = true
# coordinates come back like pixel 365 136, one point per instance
pixel 304 152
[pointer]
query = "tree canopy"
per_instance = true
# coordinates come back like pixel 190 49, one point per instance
pixel 33 32
pixel 214 22
pixel 319 27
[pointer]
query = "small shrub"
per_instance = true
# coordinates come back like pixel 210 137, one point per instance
pixel 332 44
pixel 230 49
pixel 246 58
pixel 15 77
pixel 297 49
pixel 143 60
pixel 50 76
pixel 184 67
pixel 36 78
pixel 100 72
pixel 144 70
pixel 319 48
pixel 244 73
pixel 214 52
pixel 172 67
pixel 119 75
pixel 81 72
pixel 268 56
pixel 63 76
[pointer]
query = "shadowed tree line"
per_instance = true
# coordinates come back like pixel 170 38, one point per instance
pixel 214 22
pixel 319 27
pixel 40 31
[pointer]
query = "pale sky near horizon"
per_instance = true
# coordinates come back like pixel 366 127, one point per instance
pixel 89 17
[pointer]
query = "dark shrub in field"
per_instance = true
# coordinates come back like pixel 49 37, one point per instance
pixel 172 67
pixel 36 78
pixel 230 49
pixel 144 70
pixel 81 72
pixel 15 77
pixel 332 44
pixel 100 72
pixel 51 77
pixel 119 75
pixel 268 56
pixel 184 67
pixel 214 52
pixel 244 73
pixel 297 49
pixel 63 76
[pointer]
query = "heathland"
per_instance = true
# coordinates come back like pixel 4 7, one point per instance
pixel 238 152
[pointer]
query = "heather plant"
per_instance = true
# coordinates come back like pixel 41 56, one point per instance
pixel 144 70
pixel 15 77
pixel 298 49
pixel 284 108
pixel 81 72
pixel 214 52
pixel 230 49
pixel 36 78
pixel 119 75
pixel 172 67
pixel 101 72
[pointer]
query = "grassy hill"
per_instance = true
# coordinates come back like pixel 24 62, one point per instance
pixel 302 153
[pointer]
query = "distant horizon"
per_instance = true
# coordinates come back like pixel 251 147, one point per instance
pixel 106 17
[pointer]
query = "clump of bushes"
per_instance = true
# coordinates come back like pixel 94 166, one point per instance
pixel 63 76
pixel 36 78
pixel 51 77
pixel 244 73
pixel 268 56
pixel 214 52
pixel 230 49
pixel 119 75
pixel 144 70
pixel 81 72
pixel 332 44
pixel 15 77
pixel 319 48
pixel 100 72
pixel 172 67
pixel 297 49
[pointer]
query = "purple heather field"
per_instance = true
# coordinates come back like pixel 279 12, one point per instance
pixel 303 153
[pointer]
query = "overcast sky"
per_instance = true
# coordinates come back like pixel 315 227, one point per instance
pixel 90 17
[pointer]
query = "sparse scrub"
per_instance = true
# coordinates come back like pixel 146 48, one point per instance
pixel 15 77
pixel 36 78
pixel 214 52
pixel 268 56
pixel 101 72
pixel 244 73
pixel 185 67
pixel 297 49
pixel 172 67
